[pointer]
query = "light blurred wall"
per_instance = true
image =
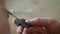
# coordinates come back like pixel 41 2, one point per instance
pixel 40 8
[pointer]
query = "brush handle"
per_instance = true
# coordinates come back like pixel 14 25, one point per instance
pixel 23 23
pixel 20 21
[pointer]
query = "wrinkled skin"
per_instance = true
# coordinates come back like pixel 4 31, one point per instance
pixel 40 26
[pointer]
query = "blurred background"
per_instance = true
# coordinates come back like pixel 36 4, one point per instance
pixel 31 9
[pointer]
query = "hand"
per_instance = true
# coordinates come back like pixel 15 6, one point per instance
pixel 31 30
pixel 51 26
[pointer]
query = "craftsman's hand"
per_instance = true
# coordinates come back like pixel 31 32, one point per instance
pixel 31 30
pixel 40 26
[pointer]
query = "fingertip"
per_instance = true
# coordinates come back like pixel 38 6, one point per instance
pixel 31 20
pixel 14 21
pixel 24 31
pixel 19 29
pixel 27 30
pixel 28 21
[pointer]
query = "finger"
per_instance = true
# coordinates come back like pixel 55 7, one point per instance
pixel 14 21
pixel 19 29
pixel 43 30
pixel 37 22
pixel 27 31
pixel 33 22
pixel 38 30
pixel 34 30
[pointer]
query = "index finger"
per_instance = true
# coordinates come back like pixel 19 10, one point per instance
pixel 38 22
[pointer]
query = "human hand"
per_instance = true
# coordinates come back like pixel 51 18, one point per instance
pixel 50 26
